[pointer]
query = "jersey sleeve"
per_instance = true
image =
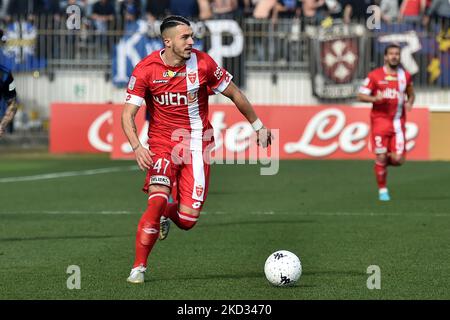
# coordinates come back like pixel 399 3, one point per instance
pixel 218 78
pixel 368 85
pixel 9 88
pixel 137 87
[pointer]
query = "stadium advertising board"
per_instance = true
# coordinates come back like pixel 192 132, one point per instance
pixel 306 132
pixel 80 128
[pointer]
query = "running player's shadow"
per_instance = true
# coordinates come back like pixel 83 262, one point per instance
pixel 61 237
pixel 243 275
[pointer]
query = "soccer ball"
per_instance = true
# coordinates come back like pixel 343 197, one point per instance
pixel 283 268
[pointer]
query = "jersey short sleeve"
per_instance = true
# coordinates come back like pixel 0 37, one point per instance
pixel 137 86
pixel 368 85
pixel 218 78
pixel 9 87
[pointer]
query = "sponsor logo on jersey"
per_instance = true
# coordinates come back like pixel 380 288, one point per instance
pixel 171 74
pixel 160 81
pixel 390 78
pixel 383 82
pixel 132 83
pixel 160 180
pixel 192 77
pixel 171 99
pixel 199 190
pixel 390 93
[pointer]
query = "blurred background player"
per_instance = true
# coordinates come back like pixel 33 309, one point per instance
pixel 8 106
pixel 390 90
pixel 175 82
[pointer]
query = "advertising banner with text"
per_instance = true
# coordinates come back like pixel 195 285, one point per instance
pixel 301 132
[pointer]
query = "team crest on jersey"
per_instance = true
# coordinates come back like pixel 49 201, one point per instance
pixel 132 83
pixel 199 190
pixel 192 77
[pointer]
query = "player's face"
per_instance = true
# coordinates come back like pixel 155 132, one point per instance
pixel 182 41
pixel 392 57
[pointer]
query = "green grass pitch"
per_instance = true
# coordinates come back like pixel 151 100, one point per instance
pixel 326 212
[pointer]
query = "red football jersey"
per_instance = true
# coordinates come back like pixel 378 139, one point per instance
pixel 393 88
pixel 177 97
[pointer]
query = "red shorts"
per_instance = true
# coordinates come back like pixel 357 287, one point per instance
pixel 388 136
pixel 191 174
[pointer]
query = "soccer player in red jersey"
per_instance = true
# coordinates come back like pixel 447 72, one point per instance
pixel 174 83
pixel 390 90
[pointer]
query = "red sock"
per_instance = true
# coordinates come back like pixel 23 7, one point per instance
pixel 183 221
pixel 148 228
pixel 381 174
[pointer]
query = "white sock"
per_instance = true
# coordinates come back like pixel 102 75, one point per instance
pixel 383 190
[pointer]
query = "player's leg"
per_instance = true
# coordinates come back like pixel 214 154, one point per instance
pixel 380 144
pixel 157 186
pixel 398 148
pixel 192 191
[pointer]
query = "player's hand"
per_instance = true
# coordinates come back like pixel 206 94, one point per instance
pixel 264 137
pixel 378 97
pixel 144 158
pixel 408 106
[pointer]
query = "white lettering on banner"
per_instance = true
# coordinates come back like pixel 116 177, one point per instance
pixel 126 147
pixel 238 136
pixel 350 138
pixel 412 46
pixel 316 126
pixel 126 49
pixel 94 132
pixel 218 123
pixel 218 50
pixel 412 131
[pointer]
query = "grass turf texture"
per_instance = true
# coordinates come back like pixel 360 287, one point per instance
pixel 326 212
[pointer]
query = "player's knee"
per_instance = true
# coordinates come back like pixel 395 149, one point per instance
pixel 397 160
pixel 382 159
pixel 187 220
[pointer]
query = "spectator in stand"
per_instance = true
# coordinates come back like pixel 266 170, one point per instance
pixel 157 9
pixel 224 9
pixel 355 10
pixel 439 9
pixel 130 10
pixel 411 11
pixel 311 11
pixel 389 10
pixel 287 9
pixel 19 9
pixel 184 8
pixel 48 17
pixel 103 14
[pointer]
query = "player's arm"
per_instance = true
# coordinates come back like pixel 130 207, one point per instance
pixel 143 156
pixel 411 97
pixel 246 109
pixel 11 109
pixel 367 89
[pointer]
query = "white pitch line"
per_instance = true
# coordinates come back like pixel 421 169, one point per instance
pixel 71 212
pixel 291 213
pixel 66 174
